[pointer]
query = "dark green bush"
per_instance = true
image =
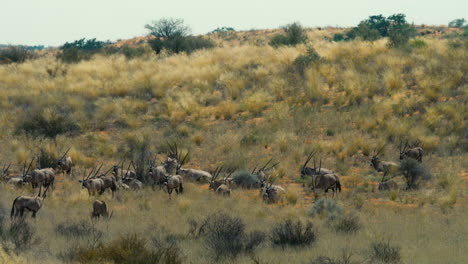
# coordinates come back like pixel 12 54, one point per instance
pixel 289 233
pixel 82 49
pixel 133 52
pixel 457 23
pixel 21 236
pixel 295 34
pixel 71 229
pixel 414 172
pixel 48 123
pixel 385 252
pixel 225 236
pixel 302 62
pixel 325 207
pixel 246 179
pixel 46 159
pixel 14 54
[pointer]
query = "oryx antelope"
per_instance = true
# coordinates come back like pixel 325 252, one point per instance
pixel 100 209
pixel 324 181
pixel 222 186
pixel 196 175
pixel 262 172
pixel 415 153
pixel 308 171
pixel 92 184
pixel 65 163
pixel 175 182
pixel 271 194
pixel 388 185
pixel 157 174
pixel 118 171
pixel 29 203
pixel 386 167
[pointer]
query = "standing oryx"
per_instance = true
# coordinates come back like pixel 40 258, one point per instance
pixel 406 152
pixel 270 193
pixel 196 175
pixel 118 171
pixel 29 203
pixel 387 167
pixel 262 172
pixel 321 178
pixel 96 185
pixel 65 163
pixel 175 181
pixel 39 177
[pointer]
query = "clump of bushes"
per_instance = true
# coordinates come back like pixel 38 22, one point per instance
pixel 49 123
pixel 395 27
pixel 126 249
pixel 385 252
pixel 225 236
pixel 289 233
pixel 19 236
pixel 172 35
pixel 82 49
pixel 295 34
pixel 14 54
pixel 78 229
pixel 246 179
pixel 302 62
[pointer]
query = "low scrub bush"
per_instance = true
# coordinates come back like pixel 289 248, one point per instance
pixel 289 233
pixel 326 208
pixel 20 236
pixel 76 229
pixel 179 44
pixel 348 223
pixel 385 252
pixel 48 123
pixel 246 179
pixel 225 236
pixel 302 62
pixel 125 249
pixel 344 259
pixel 82 49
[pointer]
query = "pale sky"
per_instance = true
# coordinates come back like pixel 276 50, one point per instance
pixel 54 22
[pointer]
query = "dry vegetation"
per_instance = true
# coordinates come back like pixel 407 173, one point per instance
pixel 238 104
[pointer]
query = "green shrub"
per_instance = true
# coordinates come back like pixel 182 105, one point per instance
pixel 302 62
pixel 295 34
pixel 80 229
pixel 14 54
pixel 46 159
pixel 457 23
pixel 399 31
pixel 19 236
pixel 246 179
pixel 133 52
pixel 292 234
pixel 418 43
pixel 82 49
pixel 414 172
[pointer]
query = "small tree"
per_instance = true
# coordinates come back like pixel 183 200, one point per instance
pixel 82 49
pixel 399 31
pixel 14 54
pixel 168 28
pixel 457 23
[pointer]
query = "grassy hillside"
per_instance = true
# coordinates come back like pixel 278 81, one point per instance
pixel 240 104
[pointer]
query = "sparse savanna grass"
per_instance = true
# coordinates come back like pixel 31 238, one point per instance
pixel 239 105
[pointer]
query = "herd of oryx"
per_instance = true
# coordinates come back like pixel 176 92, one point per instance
pixel 170 175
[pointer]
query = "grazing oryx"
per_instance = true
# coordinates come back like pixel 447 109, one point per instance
pixel 261 172
pixel 65 163
pixel 196 175
pixel 32 204
pixel 415 153
pixel 220 187
pixel 271 195
pixel 175 181
pixel 157 173
pixel 132 182
pixel 100 209
pixel 308 171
